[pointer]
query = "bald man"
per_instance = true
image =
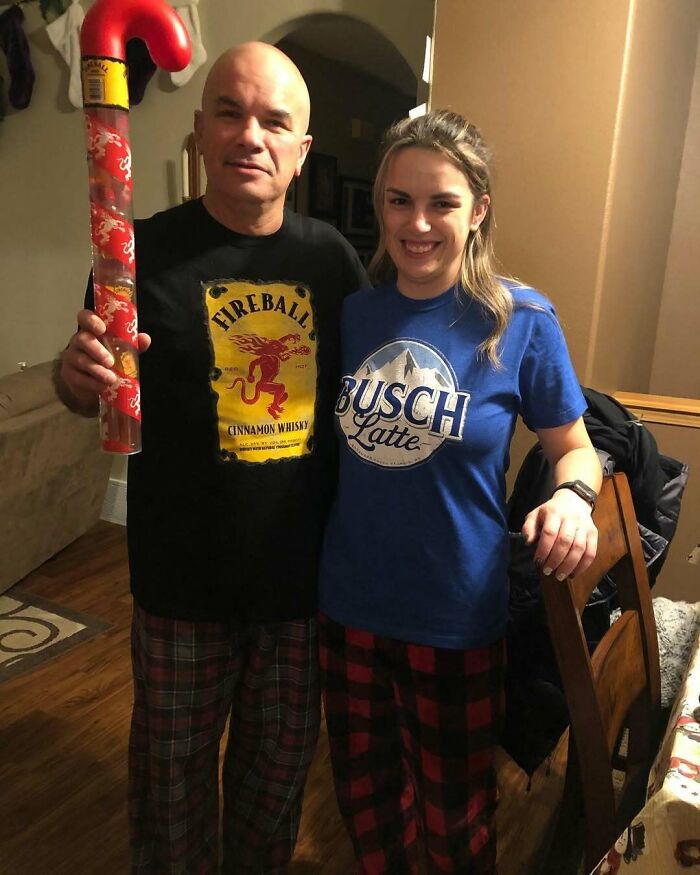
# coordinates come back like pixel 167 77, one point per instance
pixel 239 301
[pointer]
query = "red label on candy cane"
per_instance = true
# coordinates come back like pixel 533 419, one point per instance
pixel 108 149
pixel 112 235
pixel 118 313
pixel 125 396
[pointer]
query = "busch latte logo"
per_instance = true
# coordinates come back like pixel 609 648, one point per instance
pixel 401 404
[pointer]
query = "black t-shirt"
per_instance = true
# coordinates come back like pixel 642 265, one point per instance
pixel 227 500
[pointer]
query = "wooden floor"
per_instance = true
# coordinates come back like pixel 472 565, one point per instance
pixel 63 738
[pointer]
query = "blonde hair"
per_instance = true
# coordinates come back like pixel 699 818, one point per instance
pixel 450 134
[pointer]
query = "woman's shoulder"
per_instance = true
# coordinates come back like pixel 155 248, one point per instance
pixel 530 305
pixel 526 297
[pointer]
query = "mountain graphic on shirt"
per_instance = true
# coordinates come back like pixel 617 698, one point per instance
pixel 401 404
pixel 405 369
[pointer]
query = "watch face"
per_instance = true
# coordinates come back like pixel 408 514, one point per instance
pixel 586 492
pixel 582 490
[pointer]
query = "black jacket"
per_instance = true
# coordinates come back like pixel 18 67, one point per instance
pixel 535 706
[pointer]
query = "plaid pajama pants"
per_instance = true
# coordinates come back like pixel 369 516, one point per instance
pixel 412 732
pixel 188 677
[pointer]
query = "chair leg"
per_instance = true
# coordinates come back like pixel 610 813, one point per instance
pixel 640 747
pixel 566 847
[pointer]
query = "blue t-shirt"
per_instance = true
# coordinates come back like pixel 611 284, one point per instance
pixel 416 546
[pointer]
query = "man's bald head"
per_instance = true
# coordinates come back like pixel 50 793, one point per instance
pixel 251 132
pixel 262 62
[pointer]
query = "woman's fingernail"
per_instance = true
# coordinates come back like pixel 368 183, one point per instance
pixel 561 577
pixel 547 571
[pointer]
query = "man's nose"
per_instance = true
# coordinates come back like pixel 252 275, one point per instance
pixel 251 134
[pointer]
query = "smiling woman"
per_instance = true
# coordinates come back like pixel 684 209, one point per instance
pixel 438 361
pixel 429 213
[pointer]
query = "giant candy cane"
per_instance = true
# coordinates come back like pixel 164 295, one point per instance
pixel 107 27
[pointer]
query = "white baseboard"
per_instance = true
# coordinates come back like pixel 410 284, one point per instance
pixel 114 507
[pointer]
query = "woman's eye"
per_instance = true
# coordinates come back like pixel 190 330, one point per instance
pixel 398 201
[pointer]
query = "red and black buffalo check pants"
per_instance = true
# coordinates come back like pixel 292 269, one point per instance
pixel 412 733
pixel 188 677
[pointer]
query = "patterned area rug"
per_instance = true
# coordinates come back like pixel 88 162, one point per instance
pixel 33 630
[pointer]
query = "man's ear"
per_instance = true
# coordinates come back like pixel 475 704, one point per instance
pixel 304 146
pixel 481 207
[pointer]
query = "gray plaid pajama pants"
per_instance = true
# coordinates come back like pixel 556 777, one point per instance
pixel 188 678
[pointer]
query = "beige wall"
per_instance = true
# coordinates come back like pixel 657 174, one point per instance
pixel 677 351
pixel 644 171
pixel 43 184
pixel 586 107
pixel 541 80
pixel 597 187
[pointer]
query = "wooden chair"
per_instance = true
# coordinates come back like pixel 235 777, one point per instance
pixel 617 688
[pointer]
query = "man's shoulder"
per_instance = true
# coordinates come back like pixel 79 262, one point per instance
pixel 325 250
pixel 171 236
pixel 315 232
pixel 169 220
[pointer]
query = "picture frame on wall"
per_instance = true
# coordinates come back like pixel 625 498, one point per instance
pixel 323 186
pixel 357 212
pixel 290 199
pixel 365 250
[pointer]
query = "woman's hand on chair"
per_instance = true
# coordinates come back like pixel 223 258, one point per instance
pixel 566 536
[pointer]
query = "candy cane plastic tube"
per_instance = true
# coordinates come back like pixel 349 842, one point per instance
pixel 107 27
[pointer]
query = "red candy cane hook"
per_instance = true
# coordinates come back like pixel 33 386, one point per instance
pixel 108 26
pixel 111 23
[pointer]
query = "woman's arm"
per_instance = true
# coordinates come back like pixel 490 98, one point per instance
pixel 566 537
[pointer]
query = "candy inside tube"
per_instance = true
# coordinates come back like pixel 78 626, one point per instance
pixel 108 26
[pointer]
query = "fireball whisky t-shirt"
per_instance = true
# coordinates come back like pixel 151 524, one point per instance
pixel 228 498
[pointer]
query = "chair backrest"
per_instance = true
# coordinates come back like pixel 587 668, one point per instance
pixel 616 688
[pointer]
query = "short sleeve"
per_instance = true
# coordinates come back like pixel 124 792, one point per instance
pixel 550 393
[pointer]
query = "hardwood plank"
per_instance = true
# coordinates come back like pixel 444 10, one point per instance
pixel 64 731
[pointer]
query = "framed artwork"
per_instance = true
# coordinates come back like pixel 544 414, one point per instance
pixel 357 213
pixel 323 186
pixel 365 249
pixel 290 199
pixel 191 165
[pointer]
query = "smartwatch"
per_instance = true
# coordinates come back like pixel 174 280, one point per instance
pixel 581 489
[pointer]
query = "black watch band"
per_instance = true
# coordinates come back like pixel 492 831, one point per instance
pixel 581 489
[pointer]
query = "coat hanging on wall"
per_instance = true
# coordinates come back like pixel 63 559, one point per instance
pixel 64 34
pixel 13 42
